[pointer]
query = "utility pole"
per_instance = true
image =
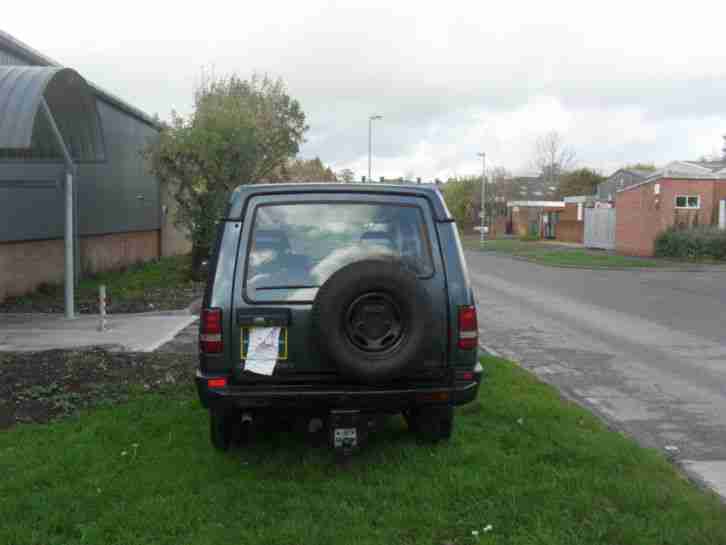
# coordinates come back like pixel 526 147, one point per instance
pixel 482 215
pixel 371 119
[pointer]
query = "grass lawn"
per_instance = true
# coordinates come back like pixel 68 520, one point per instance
pixel 535 468
pixel 548 254
pixel 163 284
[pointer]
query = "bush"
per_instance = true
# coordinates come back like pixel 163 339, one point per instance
pixel 694 243
pixel 529 237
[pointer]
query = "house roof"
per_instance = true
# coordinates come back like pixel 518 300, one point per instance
pixel 686 170
pixel 22 91
pixel 34 57
pixel 532 188
pixel 713 166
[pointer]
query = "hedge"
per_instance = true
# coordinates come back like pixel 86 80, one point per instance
pixel 694 243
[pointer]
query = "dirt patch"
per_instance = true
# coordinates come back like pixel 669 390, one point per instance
pixel 43 386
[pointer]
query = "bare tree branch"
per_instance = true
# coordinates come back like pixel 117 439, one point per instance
pixel 552 157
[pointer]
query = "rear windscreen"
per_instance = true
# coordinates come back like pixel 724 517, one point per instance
pixel 295 248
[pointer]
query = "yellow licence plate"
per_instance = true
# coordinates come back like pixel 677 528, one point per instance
pixel 281 343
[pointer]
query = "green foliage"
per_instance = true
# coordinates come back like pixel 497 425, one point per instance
pixel 161 284
pixel 549 254
pixel 240 131
pixel 463 199
pixel 641 166
pixel 582 181
pixel 695 243
pixel 305 170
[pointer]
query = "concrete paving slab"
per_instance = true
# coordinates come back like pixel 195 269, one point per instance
pixel 713 472
pixel 143 332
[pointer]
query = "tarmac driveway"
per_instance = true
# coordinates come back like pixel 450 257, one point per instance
pixel 644 349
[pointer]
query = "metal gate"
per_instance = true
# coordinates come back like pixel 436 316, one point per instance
pixel 600 228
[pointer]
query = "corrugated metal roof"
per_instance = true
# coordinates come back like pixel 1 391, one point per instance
pixel 69 99
pixel 21 89
pixel 34 57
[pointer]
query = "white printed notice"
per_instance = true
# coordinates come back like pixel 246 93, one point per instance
pixel 262 350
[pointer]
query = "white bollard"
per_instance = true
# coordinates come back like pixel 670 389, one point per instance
pixel 102 307
pixel 722 215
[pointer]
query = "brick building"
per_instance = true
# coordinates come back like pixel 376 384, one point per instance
pixel 683 193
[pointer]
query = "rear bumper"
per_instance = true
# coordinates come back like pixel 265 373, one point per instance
pixel 312 396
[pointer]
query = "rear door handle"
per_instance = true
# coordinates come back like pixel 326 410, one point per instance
pixel 264 317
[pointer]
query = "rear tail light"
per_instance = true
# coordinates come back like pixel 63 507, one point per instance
pixel 217 382
pixel 468 329
pixel 210 331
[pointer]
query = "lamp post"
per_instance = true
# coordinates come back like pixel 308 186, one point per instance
pixel 371 119
pixel 482 215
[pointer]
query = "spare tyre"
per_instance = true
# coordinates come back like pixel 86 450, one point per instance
pixel 372 319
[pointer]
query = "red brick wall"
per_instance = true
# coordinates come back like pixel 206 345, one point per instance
pixel 25 265
pixel 569 228
pixel 642 215
pixel 570 231
pixel 107 252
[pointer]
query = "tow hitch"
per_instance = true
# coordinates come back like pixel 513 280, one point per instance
pixel 349 429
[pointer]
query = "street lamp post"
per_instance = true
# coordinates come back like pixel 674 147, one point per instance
pixel 482 215
pixel 371 119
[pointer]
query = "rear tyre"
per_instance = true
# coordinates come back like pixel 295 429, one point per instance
pixel 431 424
pixel 224 428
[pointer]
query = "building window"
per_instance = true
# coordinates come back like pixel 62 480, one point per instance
pixel 688 201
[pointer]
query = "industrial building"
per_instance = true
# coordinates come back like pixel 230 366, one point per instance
pixel 69 149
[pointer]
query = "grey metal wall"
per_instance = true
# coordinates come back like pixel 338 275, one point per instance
pixel 600 228
pixel 619 180
pixel 109 193
pixel 119 195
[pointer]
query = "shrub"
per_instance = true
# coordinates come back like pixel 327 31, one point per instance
pixel 529 237
pixel 695 243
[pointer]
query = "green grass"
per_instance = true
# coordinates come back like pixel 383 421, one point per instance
pixel 164 283
pixel 547 254
pixel 535 468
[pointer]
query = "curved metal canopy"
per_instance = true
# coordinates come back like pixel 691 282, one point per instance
pixel 69 99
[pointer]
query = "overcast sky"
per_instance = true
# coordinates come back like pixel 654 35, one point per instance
pixel 621 81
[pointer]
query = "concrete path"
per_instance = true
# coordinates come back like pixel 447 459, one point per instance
pixel 646 350
pixel 129 332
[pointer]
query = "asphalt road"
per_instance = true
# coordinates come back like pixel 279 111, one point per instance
pixel 646 350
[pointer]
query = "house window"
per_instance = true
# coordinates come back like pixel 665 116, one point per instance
pixel 688 201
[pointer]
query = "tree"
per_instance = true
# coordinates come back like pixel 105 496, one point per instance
pixel 583 181
pixel 650 167
pixel 305 170
pixel 240 131
pixel 552 157
pixel 463 198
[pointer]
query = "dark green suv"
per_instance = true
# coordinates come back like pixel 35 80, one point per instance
pixel 337 304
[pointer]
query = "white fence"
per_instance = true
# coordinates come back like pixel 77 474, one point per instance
pixel 600 228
